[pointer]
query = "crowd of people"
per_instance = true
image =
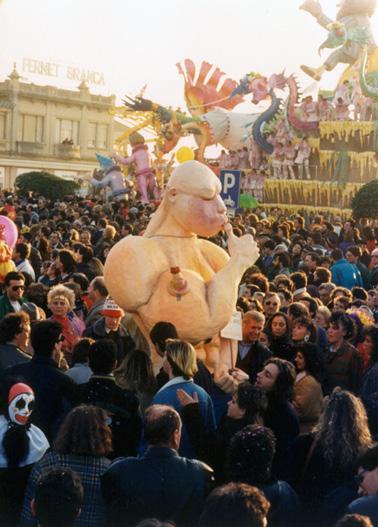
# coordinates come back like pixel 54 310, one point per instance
pixel 92 436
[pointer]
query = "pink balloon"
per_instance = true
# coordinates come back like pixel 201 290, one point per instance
pixel 10 232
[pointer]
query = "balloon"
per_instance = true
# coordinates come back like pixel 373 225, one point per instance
pixel 10 232
pixel 185 153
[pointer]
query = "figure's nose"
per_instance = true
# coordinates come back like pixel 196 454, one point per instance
pixel 221 206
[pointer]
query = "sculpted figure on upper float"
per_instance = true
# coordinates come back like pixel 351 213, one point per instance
pixel 350 33
pixel 169 273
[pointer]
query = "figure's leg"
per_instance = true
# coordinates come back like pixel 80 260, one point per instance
pixel 291 171
pixel 142 188
pixel 307 168
pixel 300 170
pixel 284 170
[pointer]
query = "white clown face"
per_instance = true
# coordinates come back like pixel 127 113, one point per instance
pixel 20 404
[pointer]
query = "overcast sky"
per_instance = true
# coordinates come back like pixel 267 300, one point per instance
pixel 134 43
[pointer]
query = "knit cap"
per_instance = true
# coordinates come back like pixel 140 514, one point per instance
pixel 111 309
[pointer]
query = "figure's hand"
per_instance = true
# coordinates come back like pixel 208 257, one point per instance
pixel 239 375
pixel 113 155
pixel 226 382
pixel 243 246
pixel 185 399
pixel 313 7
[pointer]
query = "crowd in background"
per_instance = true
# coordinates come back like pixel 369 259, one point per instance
pixel 109 441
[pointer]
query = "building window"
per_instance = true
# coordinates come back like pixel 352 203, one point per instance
pixel 92 135
pixel 66 129
pixel 3 125
pixel 97 135
pixel 31 128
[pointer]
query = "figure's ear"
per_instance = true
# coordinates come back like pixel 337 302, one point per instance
pixel 172 193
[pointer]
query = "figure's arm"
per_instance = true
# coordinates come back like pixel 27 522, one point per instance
pixel 222 290
pixel 124 160
pixel 100 183
pixel 315 9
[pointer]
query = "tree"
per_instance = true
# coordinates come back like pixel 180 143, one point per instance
pixel 47 185
pixel 365 202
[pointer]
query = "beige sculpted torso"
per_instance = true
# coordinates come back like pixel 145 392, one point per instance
pixel 138 274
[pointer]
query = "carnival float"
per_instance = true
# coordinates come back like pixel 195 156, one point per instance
pixel 305 152
pixel 310 154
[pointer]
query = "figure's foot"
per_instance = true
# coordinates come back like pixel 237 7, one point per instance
pixel 315 73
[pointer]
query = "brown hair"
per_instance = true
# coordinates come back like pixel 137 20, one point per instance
pixel 84 432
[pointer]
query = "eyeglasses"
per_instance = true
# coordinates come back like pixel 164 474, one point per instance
pixel 271 303
pixel 17 287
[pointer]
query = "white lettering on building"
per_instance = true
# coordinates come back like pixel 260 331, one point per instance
pixel 52 69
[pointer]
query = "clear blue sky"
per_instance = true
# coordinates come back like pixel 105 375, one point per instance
pixel 134 43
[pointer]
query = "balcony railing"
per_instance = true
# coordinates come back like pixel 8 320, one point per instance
pixel 67 151
pixel 29 148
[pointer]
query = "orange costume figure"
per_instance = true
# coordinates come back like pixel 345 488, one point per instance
pixel 6 263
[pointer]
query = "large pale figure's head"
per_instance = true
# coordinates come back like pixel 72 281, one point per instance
pixel 192 201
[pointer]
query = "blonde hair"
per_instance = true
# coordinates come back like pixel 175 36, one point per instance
pixel 62 291
pixel 182 358
pixel 323 310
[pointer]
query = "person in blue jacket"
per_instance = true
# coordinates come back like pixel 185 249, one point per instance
pixel 180 364
pixel 344 274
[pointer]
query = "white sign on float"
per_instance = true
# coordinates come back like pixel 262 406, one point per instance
pixel 233 330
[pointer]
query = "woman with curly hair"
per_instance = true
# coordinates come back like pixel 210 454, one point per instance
pixel 327 459
pixel 370 380
pixel 83 443
pixel 61 302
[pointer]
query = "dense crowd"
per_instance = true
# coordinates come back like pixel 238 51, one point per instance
pixel 91 435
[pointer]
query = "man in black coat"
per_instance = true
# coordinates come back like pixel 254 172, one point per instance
pixel 160 484
pixel 121 405
pixel 252 354
pixel 55 392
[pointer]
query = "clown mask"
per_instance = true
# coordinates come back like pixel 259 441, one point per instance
pixel 20 403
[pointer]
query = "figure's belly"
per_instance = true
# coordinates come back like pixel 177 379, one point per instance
pixel 190 313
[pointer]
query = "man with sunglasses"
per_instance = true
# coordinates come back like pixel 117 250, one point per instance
pixel 12 299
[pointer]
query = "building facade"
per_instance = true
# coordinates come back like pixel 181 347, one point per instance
pixel 52 129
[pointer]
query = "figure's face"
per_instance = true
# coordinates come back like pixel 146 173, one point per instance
pixel 205 217
pixel 20 408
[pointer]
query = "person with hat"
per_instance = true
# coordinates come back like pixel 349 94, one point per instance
pixel 22 444
pixel 110 326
